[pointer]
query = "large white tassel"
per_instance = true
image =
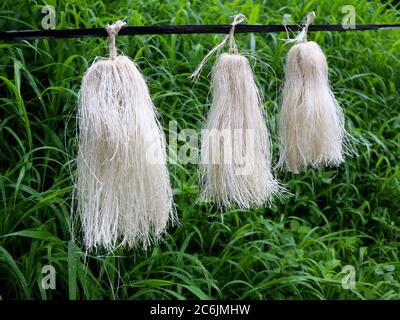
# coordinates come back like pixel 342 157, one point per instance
pixel 124 191
pixel 235 167
pixel 311 121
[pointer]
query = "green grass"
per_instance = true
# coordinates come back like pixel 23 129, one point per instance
pixel 294 250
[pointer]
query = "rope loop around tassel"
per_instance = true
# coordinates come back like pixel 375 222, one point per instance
pixel 237 19
pixel 302 36
pixel 112 31
pixel 309 19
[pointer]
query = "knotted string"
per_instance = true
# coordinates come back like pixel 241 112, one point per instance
pixel 237 19
pixel 302 36
pixel 112 31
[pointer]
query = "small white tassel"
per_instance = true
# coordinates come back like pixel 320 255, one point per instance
pixel 124 191
pixel 235 167
pixel 311 121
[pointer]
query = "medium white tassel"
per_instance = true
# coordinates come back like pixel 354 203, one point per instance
pixel 311 121
pixel 124 191
pixel 235 167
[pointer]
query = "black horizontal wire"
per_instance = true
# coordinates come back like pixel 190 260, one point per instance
pixel 183 29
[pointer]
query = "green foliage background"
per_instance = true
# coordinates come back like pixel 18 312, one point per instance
pixel 294 250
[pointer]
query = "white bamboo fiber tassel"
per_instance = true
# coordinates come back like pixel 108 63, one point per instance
pixel 235 168
pixel 311 121
pixel 124 191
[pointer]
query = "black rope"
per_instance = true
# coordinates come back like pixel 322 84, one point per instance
pixel 182 29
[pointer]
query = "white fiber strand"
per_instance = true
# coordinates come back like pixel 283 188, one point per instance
pixel 235 149
pixel 123 184
pixel 311 121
